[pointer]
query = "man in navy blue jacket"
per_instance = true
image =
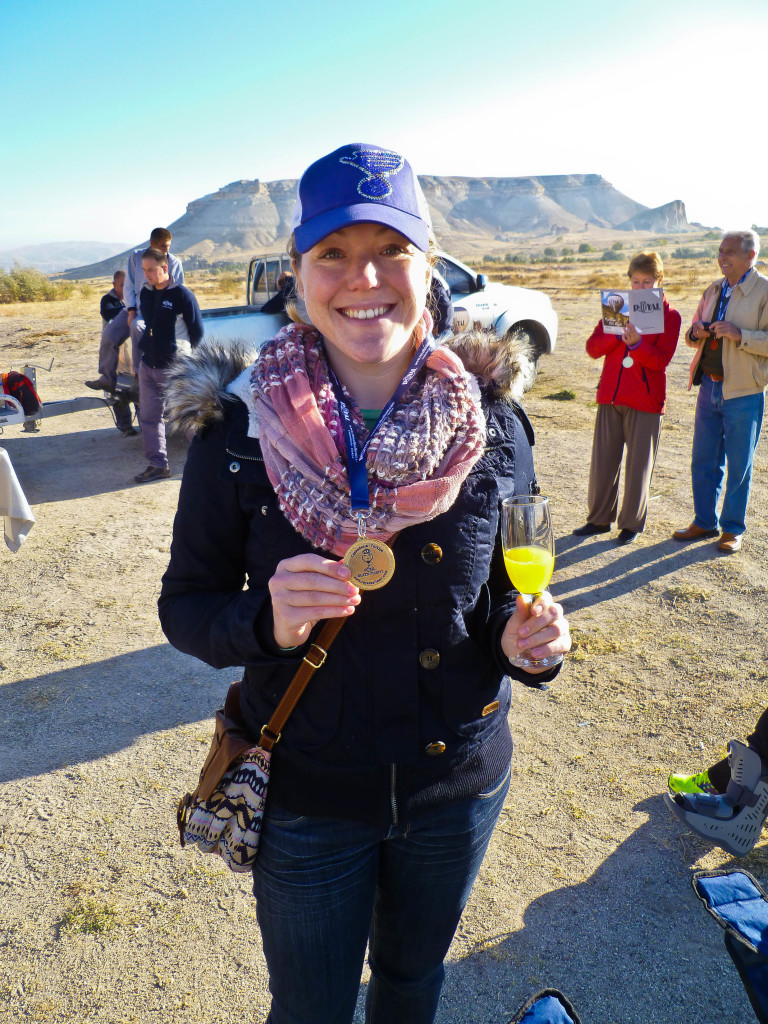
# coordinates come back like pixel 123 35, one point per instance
pixel 174 326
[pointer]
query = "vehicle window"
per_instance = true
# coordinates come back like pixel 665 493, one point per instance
pixel 458 280
pixel 273 272
pixel 259 285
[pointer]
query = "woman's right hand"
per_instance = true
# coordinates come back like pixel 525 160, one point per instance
pixel 305 589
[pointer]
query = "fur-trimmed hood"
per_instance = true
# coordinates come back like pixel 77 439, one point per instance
pixel 197 385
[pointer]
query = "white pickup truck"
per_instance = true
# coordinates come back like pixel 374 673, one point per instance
pixel 477 302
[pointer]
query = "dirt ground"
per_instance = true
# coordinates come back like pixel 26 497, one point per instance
pixel 102 726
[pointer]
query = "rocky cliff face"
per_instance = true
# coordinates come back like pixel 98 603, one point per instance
pixel 247 216
pixel 242 216
pixel 670 217
pixel 566 202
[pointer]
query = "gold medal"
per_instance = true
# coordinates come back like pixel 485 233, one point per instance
pixel 371 562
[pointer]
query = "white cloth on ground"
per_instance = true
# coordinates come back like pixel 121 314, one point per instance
pixel 14 508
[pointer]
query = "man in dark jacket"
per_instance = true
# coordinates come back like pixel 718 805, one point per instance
pixel 285 292
pixel 174 325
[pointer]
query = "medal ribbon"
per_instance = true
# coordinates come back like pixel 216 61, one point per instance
pixel 726 290
pixel 356 467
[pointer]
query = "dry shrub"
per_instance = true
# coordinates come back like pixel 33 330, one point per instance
pixel 27 284
pixel 230 284
pixel 551 277
pixel 89 917
pixel 603 279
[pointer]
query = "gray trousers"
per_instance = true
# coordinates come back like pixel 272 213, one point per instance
pixel 617 426
pixel 137 333
pixel 113 334
pixel 152 399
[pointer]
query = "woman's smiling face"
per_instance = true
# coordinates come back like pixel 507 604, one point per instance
pixel 365 289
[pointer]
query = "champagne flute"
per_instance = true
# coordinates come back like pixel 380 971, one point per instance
pixel 529 556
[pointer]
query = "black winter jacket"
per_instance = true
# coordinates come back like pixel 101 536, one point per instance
pixel 410 708
pixel 111 304
pixel 170 314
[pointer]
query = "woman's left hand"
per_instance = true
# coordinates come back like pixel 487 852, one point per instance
pixel 540 633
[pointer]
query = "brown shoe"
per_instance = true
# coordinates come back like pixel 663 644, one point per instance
pixel 693 532
pixel 152 473
pixel 100 384
pixel 730 543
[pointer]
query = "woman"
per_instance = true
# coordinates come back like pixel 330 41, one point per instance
pixel 631 396
pixel 393 768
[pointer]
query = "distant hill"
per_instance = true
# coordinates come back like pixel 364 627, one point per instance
pixel 246 217
pixel 52 257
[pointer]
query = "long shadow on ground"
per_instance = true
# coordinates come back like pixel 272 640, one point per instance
pixel 60 467
pixel 630 945
pixel 629 571
pixel 83 713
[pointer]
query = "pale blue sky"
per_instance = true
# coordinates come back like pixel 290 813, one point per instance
pixel 115 117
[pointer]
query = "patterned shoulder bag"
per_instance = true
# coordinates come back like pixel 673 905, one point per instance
pixel 223 814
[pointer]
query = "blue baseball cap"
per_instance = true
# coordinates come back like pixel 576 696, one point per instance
pixel 358 183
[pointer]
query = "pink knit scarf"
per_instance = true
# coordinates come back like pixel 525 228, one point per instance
pixel 417 461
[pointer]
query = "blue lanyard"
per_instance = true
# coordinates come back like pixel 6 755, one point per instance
pixel 356 467
pixel 726 290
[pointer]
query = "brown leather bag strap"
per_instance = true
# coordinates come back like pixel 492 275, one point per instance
pixel 313 659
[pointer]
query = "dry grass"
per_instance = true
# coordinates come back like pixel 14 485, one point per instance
pixel 686 593
pixel 683 278
pixel 594 643
pixel 210 289
pixel 88 916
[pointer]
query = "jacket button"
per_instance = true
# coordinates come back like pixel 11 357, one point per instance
pixel 429 658
pixel 433 749
pixel 264 510
pixel 491 432
pixel 234 467
pixel 431 554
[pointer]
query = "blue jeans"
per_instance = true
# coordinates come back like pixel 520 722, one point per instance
pixel 725 431
pixel 325 888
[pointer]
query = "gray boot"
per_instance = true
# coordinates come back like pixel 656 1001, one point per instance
pixel 733 820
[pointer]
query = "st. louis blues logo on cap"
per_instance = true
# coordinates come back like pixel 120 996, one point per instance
pixel 377 165
pixel 358 183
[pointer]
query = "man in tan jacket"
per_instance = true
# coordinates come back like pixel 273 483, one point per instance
pixel 730 335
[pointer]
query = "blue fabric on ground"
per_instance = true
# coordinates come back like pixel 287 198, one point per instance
pixel 753 971
pixel 734 899
pixel 547 1010
pixel 740 906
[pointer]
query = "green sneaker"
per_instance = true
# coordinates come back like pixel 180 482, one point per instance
pixel 691 783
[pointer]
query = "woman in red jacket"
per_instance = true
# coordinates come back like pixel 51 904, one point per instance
pixel 630 403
